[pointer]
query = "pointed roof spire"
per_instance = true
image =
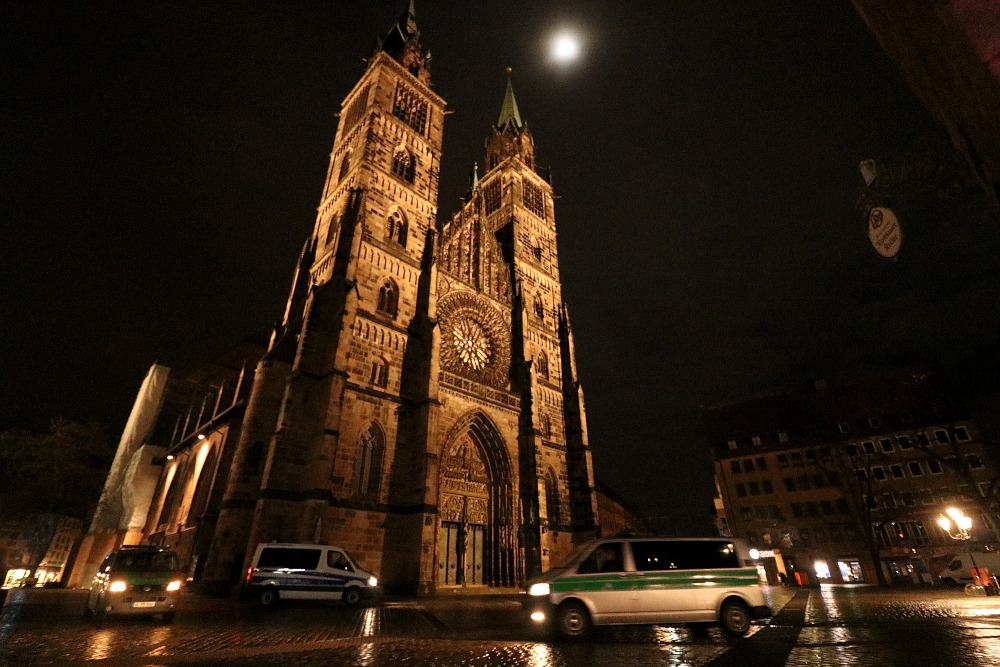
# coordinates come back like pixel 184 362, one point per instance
pixel 408 19
pixel 508 111
pixel 475 176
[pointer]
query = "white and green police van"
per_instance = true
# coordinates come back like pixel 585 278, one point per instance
pixel 307 572
pixel 622 581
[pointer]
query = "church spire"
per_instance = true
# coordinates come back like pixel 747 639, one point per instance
pixel 402 43
pixel 408 19
pixel 508 111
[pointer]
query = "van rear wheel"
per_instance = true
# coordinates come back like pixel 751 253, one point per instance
pixel 268 597
pixel 573 620
pixel 735 617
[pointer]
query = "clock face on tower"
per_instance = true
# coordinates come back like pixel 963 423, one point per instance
pixel 475 339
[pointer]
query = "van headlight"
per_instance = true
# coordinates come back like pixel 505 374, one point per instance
pixel 174 586
pixel 539 589
pixel 117 586
pixel 373 582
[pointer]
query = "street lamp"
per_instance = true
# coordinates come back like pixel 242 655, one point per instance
pixel 962 524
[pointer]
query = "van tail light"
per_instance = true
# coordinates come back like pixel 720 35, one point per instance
pixel 249 573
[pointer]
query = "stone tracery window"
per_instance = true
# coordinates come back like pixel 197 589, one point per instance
pixel 396 228
pixel 542 365
pixel 534 199
pixel 538 306
pixel 331 228
pixel 552 505
pixel 545 425
pixel 388 298
pixel 404 165
pixel 410 108
pixel 368 465
pixel 345 166
pixel 379 375
pixel 491 196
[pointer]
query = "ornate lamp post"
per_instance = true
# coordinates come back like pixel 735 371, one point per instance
pixel 962 525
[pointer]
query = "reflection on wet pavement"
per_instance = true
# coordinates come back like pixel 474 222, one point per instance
pixel 857 626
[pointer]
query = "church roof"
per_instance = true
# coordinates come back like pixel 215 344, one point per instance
pixel 508 111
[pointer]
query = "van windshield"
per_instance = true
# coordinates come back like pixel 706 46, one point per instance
pixel 146 561
pixel 573 556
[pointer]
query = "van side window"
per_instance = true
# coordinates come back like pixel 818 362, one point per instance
pixel 290 559
pixel 605 558
pixel 684 555
pixel 338 561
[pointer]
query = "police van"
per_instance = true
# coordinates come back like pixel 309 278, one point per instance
pixel 623 581
pixel 307 572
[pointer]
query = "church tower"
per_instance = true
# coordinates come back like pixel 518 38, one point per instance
pixel 418 405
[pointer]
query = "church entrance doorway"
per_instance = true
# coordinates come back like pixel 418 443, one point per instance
pixel 475 542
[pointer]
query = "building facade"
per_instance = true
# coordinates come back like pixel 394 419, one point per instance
pixel 419 404
pixel 173 461
pixel 839 482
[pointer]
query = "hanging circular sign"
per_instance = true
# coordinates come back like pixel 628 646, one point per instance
pixel 884 231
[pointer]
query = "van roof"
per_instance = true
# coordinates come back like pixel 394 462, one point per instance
pixel 298 545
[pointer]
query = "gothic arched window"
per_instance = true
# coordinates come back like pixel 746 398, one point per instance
pixel 552 505
pixel 388 298
pixel 379 375
pixel 536 248
pixel 331 228
pixel 544 425
pixel 539 307
pixel 404 165
pixel 542 365
pixel 368 465
pixel 396 228
pixel 345 166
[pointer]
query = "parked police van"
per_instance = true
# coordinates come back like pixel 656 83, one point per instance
pixel 621 581
pixel 307 572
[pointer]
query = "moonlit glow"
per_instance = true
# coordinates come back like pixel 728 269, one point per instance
pixel 565 47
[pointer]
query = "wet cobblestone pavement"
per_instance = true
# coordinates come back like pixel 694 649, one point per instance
pixel 829 626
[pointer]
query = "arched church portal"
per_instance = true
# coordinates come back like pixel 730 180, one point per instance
pixel 476 541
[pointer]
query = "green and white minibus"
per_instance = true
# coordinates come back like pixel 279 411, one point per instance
pixel 620 581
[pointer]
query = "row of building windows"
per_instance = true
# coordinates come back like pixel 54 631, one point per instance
pixel 820 508
pixel 916 468
pixel 940 435
pixel 813 456
pixel 925 497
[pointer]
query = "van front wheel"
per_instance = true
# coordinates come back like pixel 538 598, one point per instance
pixel 573 620
pixel 268 597
pixel 352 596
pixel 735 617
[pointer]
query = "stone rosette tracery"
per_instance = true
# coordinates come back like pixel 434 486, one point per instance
pixel 475 339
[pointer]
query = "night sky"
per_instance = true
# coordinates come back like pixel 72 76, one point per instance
pixel 164 161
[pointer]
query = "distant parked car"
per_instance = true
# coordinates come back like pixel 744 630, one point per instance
pixel 136 580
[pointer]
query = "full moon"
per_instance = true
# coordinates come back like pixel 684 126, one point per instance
pixel 565 47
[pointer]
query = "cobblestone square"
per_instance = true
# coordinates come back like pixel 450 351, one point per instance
pixel 815 626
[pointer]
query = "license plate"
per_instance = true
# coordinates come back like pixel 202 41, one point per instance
pixel 143 605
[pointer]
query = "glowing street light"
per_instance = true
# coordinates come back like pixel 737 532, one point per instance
pixel 963 524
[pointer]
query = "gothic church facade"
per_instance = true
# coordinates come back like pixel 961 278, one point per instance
pixel 419 404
